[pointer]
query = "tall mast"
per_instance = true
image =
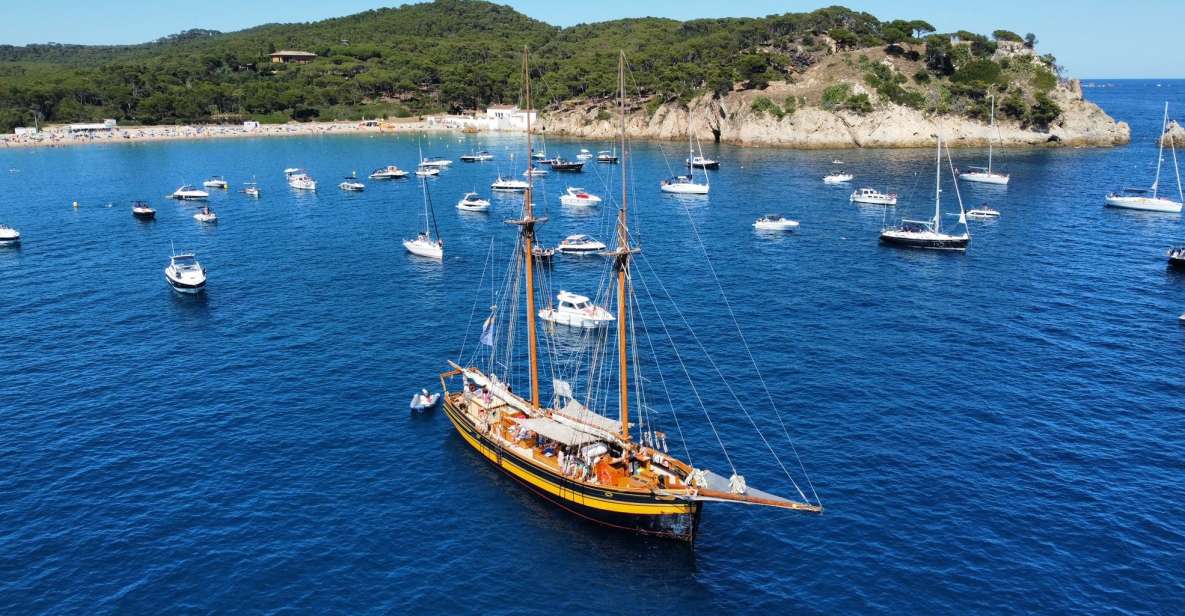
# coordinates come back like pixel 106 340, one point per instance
pixel 528 222
pixel 1160 155
pixel 621 265
pixel 938 186
pixel 993 126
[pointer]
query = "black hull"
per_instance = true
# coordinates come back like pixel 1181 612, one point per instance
pixel 568 168
pixel 707 166
pixel 1177 263
pixel 926 244
pixel 145 216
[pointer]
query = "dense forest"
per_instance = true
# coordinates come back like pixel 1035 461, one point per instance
pixel 450 55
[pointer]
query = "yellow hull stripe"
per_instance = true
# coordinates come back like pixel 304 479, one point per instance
pixel 567 494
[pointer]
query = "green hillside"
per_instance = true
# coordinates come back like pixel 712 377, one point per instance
pixel 456 54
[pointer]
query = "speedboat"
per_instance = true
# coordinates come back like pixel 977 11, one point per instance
pixel 190 193
pixel 141 210
pixel 560 164
pixel 390 172
pixel 703 163
pixel 351 184
pixel 471 202
pixel 205 215
pixel 1177 257
pixel 425 246
pixel 838 178
pixel 534 172
pixel 302 181
pixel 606 157
pixel 579 197
pixel 580 245
pixel 983 175
pixel 873 196
pixel 477 157
pixel 775 222
pixel 9 236
pixel 983 212
pixel 425 171
pixel 683 185
pixel 216 182
pixel 185 274
pixel 509 184
pixel 1141 199
pixel 576 311
pixel 424 401
pixel 252 190
pixel 434 161
pixel 584 154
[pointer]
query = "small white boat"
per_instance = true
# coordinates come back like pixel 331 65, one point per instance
pixel 185 274
pixel 983 212
pixel 584 154
pixel 471 202
pixel 576 311
pixel 606 157
pixel 426 172
pixel 251 189
pixel 424 400
pixel 425 246
pixel 838 178
pixel 534 172
pixel 703 163
pixel 190 193
pixel 434 161
pixel 684 185
pixel 206 215
pixel 477 157
pixel 9 236
pixel 302 181
pixel 390 172
pixel 216 182
pixel 509 184
pixel 143 211
pixel 873 196
pixel 775 222
pixel 351 184
pixel 985 175
pixel 579 197
pixel 580 245
pixel 1149 199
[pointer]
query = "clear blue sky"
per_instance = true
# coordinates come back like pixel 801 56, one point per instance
pixel 1091 38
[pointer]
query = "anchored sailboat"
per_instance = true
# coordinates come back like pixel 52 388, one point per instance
pixel 424 245
pixel 1150 199
pixel 929 233
pixel 686 184
pixel 985 175
pixel 568 453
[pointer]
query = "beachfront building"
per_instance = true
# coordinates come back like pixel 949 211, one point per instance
pixel 288 56
pixel 496 117
pixel 25 130
pixel 94 127
pixel 509 117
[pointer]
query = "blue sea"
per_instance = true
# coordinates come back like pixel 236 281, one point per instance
pixel 993 431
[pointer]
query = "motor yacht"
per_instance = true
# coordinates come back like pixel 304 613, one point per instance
pixel 351 184
pixel 700 162
pixel 983 212
pixel 143 211
pixel 873 197
pixel 580 245
pixel 302 181
pixel 390 172
pixel 9 236
pixel 185 274
pixel 427 172
pixel 567 166
pixel 579 197
pixel 477 157
pixel 471 202
pixel 584 154
pixel 576 311
pixel 206 215
pixel 509 185
pixel 435 161
pixel 838 178
pixel 190 193
pixel 216 182
pixel 775 222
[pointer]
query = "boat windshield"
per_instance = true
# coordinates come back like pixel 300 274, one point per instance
pixel 184 262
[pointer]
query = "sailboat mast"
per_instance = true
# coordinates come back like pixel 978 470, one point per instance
pixel 528 225
pixel 1160 155
pixel 938 186
pixel 622 264
pixel 993 126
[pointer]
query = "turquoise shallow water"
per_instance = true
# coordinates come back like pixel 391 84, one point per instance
pixel 995 430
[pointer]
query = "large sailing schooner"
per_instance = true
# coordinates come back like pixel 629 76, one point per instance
pixel 566 453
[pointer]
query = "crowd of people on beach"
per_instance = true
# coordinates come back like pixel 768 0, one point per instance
pixel 62 136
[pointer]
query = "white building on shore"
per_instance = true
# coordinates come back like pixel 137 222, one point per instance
pixel 496 118
pixel 105 125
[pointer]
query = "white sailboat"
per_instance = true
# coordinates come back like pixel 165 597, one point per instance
pixel 929 233
pixel 686 184
pixel 424 245
pixel 985 175
pixel 1148 199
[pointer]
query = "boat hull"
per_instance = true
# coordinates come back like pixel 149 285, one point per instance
pixel 426 251
pixel 928 243
pixel 684 189
pixel 1146 204
pixel 645 514
pixel 185 287
pixel 985 178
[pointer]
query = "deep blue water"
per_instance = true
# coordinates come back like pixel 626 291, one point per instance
pixel 995 430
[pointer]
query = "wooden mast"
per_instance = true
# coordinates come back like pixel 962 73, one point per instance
pixel 528 223
pixel 621 265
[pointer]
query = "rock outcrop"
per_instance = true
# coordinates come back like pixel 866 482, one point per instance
pixel 1177 132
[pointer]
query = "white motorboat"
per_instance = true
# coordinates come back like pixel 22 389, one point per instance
pixel 190 193
pixel 985 175
pixel 873 197
pixel 929 233
pixel 351 184
pixel 580 245
pixel 185 274
pixel 477 157
pixel 435 161
pixel 471 202
pixel 584 154
pixel 838 178
pixel 1150 199
pixel 390 172
pixel 251 189
pixel 9 236
pixel 302 181
pixel 427 172
pixel 424 401
pixel 206 215
pixel 509 184
pixel 535 172
pixel 216 182
pixel 579 197
pixel 143 211
pixel 775 222
pixel 683 185
pixel 607 157
pixel 424 245
pixel 700 162
pixel 983 212
pixel 576 311
pixel 1176 257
